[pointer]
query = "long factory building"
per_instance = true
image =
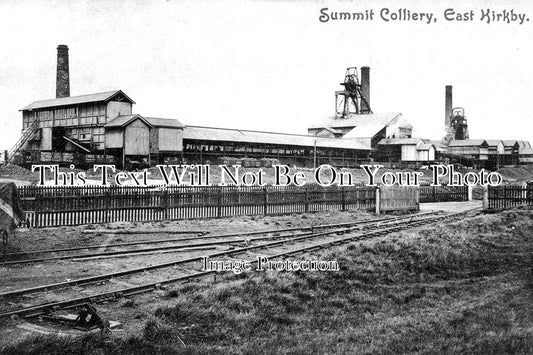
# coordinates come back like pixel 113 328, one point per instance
pixel 102 127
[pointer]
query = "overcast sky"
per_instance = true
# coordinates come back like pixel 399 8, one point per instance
pixel 270 65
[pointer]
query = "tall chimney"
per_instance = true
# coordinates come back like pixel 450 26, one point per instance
pixel 448 108
pixel 365 84
pixel 62 78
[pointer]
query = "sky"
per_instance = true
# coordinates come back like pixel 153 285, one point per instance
pixel 271 65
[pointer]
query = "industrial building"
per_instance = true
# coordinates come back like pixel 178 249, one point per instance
pixel 95 128
pixel 103 128
pixel 407 150
pixel 455 147
pixel 480 153
pixel 354 119
pixel 203 144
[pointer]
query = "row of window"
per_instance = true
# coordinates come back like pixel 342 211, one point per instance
pixel 69 122
pixel 63 113
pixel 89 114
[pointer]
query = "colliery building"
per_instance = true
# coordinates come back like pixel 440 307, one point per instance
pixel 103 128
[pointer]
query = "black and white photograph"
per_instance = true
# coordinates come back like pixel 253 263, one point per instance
pixel 266 177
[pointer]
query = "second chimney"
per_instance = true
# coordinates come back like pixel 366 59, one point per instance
pixel 448 103
pixel 365 84
pixel 62 78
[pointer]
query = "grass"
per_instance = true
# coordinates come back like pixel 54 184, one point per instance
pixel 456 287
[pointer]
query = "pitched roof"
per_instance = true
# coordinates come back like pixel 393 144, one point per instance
pixel 239 135
pixel 509 142
pixel 365 131
pixel 425 146
pixel 524 144
pixel 333 130
pixel 400 141
pixel 467 143
pixel 493 142
pixel 122 121
pixel 358 120
pixel 164 122
pixel 74 100
pixel 437 144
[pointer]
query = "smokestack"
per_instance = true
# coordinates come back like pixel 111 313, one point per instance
pixel 448 107
pixel 365 84
pixel 62 78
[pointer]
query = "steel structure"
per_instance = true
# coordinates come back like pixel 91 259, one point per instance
pixel 351 100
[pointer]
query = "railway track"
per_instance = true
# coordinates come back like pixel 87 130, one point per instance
pixel 130 252
pixel 301 242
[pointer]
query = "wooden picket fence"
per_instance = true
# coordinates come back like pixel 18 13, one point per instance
pixel 509 196
pixel 443 193
pixel 49 206
pixel 398 198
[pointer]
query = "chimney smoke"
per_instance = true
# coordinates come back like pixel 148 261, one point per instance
pixel 62 78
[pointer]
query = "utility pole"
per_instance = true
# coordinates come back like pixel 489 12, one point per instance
pixel 314 156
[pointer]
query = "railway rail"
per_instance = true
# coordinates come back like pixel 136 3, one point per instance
pixel 380 227
pixel 363 223
pixel 371 223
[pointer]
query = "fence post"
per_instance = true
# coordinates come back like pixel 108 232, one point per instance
pixel 470 189
pixel 219 202
pixel 378 210
pixel 38 209
pixel 265 201
pixel 485 197
pixel 165 202
pixel 343 199
pixel 417 198
pixel 107 202
pixel 306 199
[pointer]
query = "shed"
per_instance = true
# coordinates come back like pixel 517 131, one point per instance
pixel 404 149
pixel 131 133
pixel 166 135
pixel 426 152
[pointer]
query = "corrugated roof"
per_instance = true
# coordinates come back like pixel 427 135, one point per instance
pixel 74 100
pixel 239 135
pixel 122 121
pixel 400 141
pixel 358 120
pixel 164 122
pixel 467 143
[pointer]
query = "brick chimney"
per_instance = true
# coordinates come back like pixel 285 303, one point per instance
pixel 62 78
pixel 365 84
pixel 448 103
